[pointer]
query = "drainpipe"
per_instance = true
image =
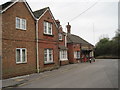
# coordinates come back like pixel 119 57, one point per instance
pixel 38 70
pixel 65 40
pixel 66 43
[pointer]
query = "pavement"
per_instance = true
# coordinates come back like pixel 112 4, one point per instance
pixel 100 74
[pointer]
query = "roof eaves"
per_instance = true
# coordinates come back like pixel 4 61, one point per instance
pixel 7 5
pixel 39 13
pixel 47 8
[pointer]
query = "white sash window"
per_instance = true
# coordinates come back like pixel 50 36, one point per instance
pixel 47 28
pixel 20 23
pixel 21 55
pixel 48 55
pixel 63 55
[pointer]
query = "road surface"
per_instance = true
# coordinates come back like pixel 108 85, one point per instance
pixel 100 74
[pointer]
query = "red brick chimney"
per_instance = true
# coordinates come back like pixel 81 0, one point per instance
pixel 57 22
pixel 68 28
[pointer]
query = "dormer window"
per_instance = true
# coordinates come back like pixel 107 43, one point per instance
pixel 60 36
pixel 47 28
pixel 20 23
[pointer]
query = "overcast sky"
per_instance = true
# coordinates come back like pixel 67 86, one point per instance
pixel 100 20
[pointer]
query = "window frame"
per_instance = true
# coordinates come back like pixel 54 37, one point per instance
pixel 17 18
pixel 60 35
pixel 21 59
pixel 63 55
pixel 47 27
pixel 77 54
pixel 48 56
pixel 21 23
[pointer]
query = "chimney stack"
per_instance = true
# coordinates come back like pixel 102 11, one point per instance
pixel 68 28
pixel 57 22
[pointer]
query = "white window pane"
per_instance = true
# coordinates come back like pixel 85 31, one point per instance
pixel 50 55
pixel 23 55
pixel 45 27
pixel 49 28
pixel 18 55
pixel 23 26
pixel 60 36
pixel 78 54
pixel 17 23
pixel 45 55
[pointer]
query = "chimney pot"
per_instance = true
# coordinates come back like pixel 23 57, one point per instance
pixel 68 28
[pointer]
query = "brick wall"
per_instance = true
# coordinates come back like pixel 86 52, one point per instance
pixel 62 42
pixel 14 38
pixel 71 49
pixel 46 41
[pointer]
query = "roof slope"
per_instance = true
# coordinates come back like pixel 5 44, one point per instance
pixel 9 4
pixel 5 5
pixel 62 47
pixel 38 13
pixel 76 39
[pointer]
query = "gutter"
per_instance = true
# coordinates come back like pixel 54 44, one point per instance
pixel 38 70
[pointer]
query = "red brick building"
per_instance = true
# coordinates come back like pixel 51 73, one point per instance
pixel 78 48
pixel 34 41
pixel 48 53
pixel 18 39
pixel 63 56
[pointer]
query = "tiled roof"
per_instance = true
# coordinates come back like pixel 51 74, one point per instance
pixel 5 5
pixel 76 39
pixel 38 13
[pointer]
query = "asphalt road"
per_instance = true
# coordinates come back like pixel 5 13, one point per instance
pixel 100 74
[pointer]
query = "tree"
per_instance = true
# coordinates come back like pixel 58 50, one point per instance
pixel 107 47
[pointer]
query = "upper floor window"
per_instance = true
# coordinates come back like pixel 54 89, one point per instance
pixel 20 23
pixel 77 54
pixel 60 36
pixel 47 28
pixel 21 55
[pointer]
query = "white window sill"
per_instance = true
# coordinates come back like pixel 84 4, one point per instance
pixel 48 62
pixel 21 62
pixel 60 39
pixel 63 59
pixel 21 29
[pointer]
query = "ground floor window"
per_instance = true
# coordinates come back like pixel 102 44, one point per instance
pixel 77 54
pixel 91 54
pixel 21 55
pixel 48 55
pixel 63 55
